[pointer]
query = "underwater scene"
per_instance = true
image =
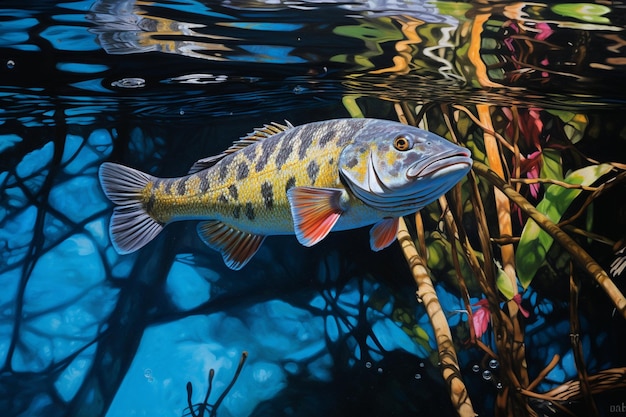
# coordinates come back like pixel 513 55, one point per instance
pixel 312 208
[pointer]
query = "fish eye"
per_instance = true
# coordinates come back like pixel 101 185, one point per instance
pixel 402 143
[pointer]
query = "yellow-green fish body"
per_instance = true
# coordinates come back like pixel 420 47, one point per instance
pixel 249 187
pixel 305 180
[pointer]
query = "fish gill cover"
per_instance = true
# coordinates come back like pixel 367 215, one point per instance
pixel 524 259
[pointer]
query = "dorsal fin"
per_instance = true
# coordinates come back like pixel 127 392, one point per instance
pixel 256 135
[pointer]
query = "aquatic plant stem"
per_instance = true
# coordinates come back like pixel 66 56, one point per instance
pixel 502 203
pixel 447 354
pixel 579 255
pixel 577 348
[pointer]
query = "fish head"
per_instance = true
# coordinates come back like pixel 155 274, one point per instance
pixel 400 169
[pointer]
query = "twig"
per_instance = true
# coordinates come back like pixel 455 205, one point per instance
pixel 580 256
pixel 452 233
pixel 555 182
pixel 244 356
pixel 545 371
pixel 548 399
pixel 577 349
pixel 447 354
pixel 609 379
pixel 486 129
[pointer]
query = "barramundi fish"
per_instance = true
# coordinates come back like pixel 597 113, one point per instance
pixel 280 179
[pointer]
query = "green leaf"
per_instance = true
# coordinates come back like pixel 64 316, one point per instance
pixel 552 167
pixel 586 12
pixel 534 242
pixel 504 284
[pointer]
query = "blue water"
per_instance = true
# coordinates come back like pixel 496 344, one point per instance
pixel 331 330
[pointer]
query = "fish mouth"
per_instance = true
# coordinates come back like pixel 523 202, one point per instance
pixel 442 164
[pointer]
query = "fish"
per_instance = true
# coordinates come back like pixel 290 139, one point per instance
pixel 281 179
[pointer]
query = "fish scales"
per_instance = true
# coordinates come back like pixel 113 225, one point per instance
pixel 307 180
pixel 302 156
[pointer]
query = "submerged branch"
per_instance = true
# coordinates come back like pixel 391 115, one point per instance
pixel 580 256
pixel 447 354
pixel 603 381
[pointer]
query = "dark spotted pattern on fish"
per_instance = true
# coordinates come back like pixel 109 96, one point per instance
pixel 204 182
pixel 242 194
pixel 326 137
pixel 268 194
pixel 242 171
pixel 232 189
pixel 352 163
pixel 250 211
pixel 181 187
pixel 168 185
pixel 283 154
pixel 224 170
pixel 305 143
pixel 150 203
pixel 267 148
pixel 312 170
pixel 291 182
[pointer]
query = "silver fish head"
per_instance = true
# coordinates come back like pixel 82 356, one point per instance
pixel 399 169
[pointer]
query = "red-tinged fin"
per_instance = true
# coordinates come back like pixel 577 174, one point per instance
pixel 236 247
pixel 383 233
pixel 315 211
pixel 251 138
pixel 131 226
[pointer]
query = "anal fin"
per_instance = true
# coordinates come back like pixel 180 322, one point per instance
pixel 383 233
pixel 315 211
pixel 237 247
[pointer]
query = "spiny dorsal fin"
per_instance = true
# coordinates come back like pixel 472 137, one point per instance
pixel 256 135
pixel 237 247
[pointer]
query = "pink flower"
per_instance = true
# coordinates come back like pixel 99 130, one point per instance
pixel 481 317
pixel 518 300
pixel 544 31
pixel 530 166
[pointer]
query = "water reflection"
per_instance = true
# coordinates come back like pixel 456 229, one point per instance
pixel 516 53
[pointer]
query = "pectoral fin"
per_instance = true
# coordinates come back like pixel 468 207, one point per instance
pixel 237 247
pixel 315 211
pixel 383 233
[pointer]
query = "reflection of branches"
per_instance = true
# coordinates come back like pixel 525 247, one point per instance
pixel 36 244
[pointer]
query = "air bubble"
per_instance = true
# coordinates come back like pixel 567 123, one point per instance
pixel 493 364
pixel 147 373
pixel 422 364
pixel 499 385
pixel 418 376
pixel 380 370
pixel 368 365
pixel 132 82
pixel 487 375
pixel 10 64
pixel 476 368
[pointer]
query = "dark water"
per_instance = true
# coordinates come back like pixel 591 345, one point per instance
pixel 330 330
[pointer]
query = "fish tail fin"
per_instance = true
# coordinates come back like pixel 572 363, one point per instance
pixel 131 225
